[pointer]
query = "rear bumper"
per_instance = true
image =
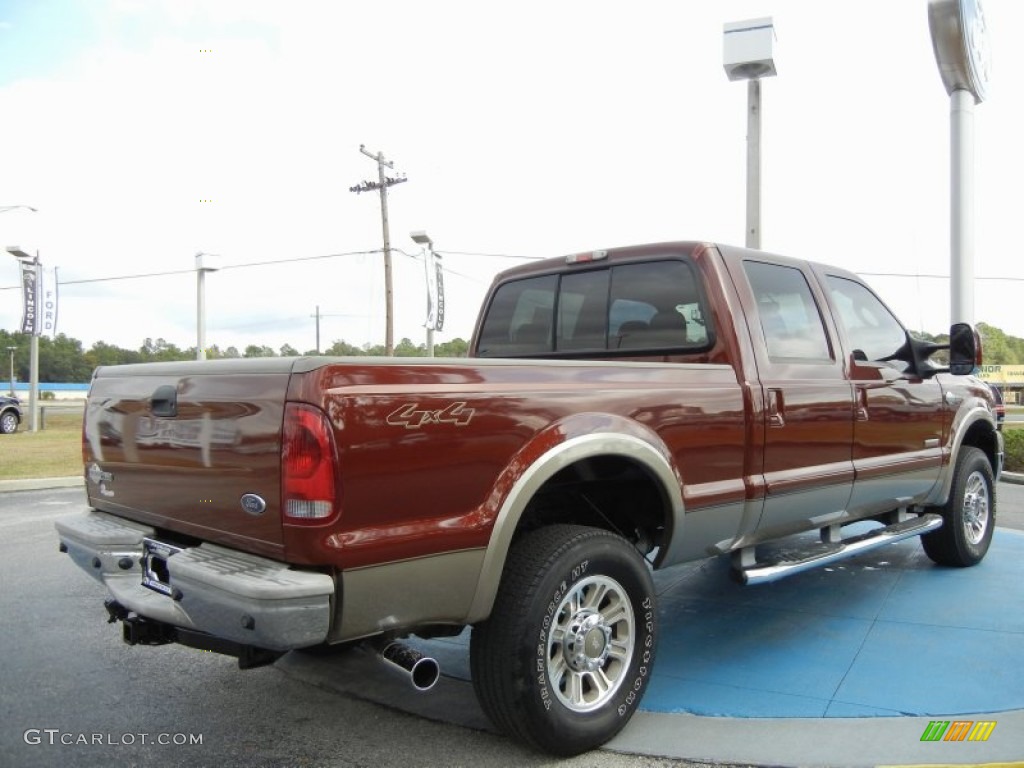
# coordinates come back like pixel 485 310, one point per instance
pixel 229 594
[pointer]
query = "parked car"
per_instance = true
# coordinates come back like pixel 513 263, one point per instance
pixel 10 414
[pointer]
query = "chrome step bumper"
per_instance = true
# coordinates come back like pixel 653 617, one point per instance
pixel 229 594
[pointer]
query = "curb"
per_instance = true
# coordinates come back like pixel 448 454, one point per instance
pixel 1015 478
pixel 41 483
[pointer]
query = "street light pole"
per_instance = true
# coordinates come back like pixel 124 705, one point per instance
pixel 747 55
pixel 201 270
pixel 422 238
pixel 12 351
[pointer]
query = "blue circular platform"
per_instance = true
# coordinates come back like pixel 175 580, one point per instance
pixel 888 633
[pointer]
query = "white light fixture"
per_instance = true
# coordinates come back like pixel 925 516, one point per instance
pixel 747 49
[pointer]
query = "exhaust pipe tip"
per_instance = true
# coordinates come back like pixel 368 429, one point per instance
pixel 422 671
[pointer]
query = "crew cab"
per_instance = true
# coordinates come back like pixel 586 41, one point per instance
pixel 623 410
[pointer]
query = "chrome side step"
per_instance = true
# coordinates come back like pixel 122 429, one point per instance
pixel 829 552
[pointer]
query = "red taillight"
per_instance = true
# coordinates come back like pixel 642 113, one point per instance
pixel 308 467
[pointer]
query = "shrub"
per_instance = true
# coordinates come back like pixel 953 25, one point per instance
pixel 47 394
pixel 1014 439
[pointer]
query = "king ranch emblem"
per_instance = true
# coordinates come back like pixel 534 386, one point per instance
pixel 411 416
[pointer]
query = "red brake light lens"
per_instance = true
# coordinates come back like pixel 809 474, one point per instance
pixel 308 467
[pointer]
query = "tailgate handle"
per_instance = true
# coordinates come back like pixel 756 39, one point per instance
pixel 165 401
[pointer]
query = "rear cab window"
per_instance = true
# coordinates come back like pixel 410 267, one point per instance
pixel 629 309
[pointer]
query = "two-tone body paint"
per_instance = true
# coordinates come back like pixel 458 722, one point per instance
pixel 438 459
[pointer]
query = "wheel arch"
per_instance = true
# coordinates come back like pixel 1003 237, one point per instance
pixel 633 449
pixel 978 430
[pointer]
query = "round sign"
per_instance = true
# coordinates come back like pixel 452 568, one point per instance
pixel 960 40
pixel 979 57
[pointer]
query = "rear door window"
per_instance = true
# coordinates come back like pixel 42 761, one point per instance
pixel 645 306
pixel 789 316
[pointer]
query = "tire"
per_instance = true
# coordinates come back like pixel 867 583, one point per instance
pixel 568 650
pixel 968 516
pixel 9 423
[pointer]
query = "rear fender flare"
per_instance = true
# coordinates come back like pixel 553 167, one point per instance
pixel 653 457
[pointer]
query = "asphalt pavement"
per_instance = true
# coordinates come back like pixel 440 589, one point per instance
pixel 847 666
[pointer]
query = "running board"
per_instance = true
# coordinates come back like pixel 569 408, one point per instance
pixel 823 554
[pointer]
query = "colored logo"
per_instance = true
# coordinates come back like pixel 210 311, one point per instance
pixel 958 730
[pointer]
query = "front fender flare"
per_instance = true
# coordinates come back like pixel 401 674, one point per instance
pixel 961 426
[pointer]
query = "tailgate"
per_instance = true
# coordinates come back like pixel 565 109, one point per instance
pixel 192 448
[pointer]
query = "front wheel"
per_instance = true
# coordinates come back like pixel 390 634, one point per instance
pixel 568 650
pixel 9 423
pixel 968 516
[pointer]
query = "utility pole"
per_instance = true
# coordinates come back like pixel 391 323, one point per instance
pixel 382 184
pixel 319 315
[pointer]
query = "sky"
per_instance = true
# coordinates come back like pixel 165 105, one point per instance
pixel 147 131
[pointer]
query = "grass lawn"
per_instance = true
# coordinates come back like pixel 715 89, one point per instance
pixel 53 452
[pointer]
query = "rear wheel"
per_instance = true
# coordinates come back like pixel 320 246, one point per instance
pixel 968 516
pixel 568 650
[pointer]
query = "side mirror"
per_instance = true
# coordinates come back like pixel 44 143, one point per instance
pixel 964 349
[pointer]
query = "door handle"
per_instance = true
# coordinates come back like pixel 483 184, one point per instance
pixel 776 407
pixel 164 401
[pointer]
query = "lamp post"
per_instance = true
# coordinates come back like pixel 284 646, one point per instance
pixel 31 326
pixel 201 269
pixel 12 350
pixel 435 288
pixel 961 46
pixel 747 55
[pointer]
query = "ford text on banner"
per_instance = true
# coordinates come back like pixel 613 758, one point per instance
pixel 48 302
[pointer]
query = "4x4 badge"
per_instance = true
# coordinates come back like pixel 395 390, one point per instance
pixel 411 416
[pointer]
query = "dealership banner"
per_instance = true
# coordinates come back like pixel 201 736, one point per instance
pixel 29 297
pixel 48 302
pixel 39 299
pixel 435 292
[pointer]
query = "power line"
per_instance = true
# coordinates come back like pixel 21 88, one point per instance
pixel 222 268
pixel 490 255
pixel 934 277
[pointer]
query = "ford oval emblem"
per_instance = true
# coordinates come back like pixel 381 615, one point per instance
pixel 253 504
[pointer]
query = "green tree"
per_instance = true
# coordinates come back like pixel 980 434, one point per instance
pixel 455 348
pixel 287 350
pixel 163 351
pixel 254 350
pixel 405 348
pixel 62 359
pixel 993 340
pixel 341 348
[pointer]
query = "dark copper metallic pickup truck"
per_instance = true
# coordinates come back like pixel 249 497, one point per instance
pixel 625 410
